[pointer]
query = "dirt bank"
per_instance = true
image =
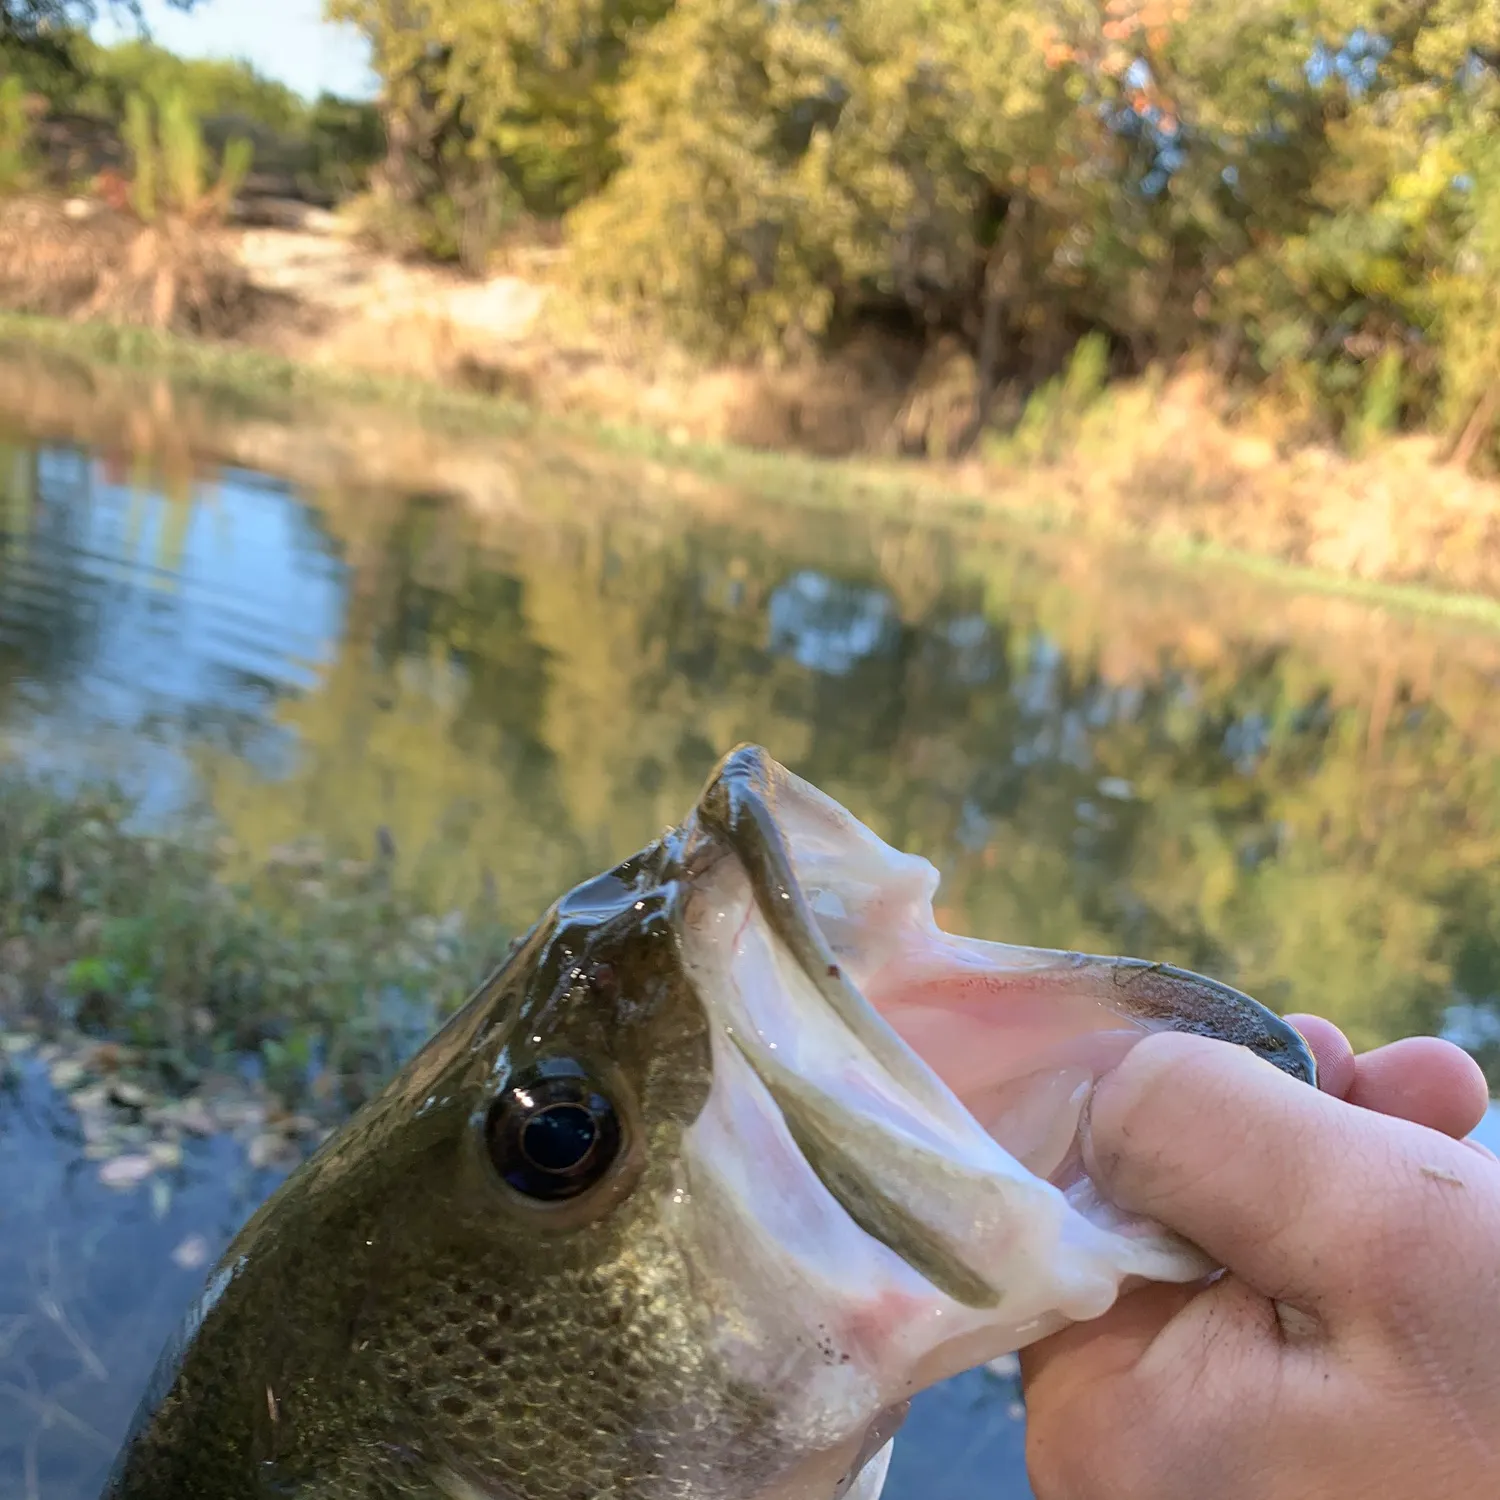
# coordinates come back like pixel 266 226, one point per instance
pixel 1155 459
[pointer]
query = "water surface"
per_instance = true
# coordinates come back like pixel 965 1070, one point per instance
pixel 526 682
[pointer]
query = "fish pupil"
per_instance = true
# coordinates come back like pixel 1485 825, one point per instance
pixel 559 1139
pixel 551 1135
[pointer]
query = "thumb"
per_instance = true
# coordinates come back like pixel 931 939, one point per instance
pixel 1283 1185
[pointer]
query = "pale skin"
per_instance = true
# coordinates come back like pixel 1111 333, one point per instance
pixel 1351 1351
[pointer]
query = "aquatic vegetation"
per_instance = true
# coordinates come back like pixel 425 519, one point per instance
pixel 179 957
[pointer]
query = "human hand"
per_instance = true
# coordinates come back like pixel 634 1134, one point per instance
pixel 1352 1349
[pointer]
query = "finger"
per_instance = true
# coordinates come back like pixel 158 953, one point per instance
pixel 1331 1050
pixel 1425 1080
pixel 1291 1189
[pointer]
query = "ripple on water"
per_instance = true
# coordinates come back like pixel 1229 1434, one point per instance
pixel 92 1281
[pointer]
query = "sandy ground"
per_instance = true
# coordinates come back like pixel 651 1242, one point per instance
pixel 360 303
pixel 521 334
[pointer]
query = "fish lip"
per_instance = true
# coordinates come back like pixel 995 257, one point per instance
pixel 1277 1041
pixel 750 776
pixel 736 816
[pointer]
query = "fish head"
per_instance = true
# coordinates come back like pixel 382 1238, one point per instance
pixel 736 1153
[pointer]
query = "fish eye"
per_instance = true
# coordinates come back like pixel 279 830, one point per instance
pixel 552 1134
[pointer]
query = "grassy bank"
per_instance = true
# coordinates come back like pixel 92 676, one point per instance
pixel 1048 495
pixel 163 973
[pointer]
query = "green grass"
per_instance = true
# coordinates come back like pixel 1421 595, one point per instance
pixel 1472 609
pixel 234 369
pixel 269 380
pixel 178 948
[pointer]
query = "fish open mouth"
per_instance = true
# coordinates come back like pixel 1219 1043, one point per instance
pixel 892 1136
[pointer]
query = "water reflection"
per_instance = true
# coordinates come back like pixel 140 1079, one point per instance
pixel 528 702
pixel 1301 796
pixel 91 1283
pixel 142 620
pixel 827 626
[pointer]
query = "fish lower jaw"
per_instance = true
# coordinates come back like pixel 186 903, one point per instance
pixel 805 1305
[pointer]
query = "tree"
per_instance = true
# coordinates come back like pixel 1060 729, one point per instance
pixel 42 33
pixel 727 216
pixel 494 109
pixel 34 21
pixel 1293 193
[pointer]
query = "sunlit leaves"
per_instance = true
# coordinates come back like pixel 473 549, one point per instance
pixel 1295 186
pixel 526 88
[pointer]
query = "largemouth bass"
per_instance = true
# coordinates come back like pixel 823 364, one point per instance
pixel 735 1153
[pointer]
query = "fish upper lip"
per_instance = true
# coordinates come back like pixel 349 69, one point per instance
pixel 736 813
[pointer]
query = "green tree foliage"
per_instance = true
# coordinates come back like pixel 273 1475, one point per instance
pixel 1301 194
pixel 322 150
pixel 490 109
pixel 108 76
pixel 31 20
pixel 1466 296
pixel 344 139
pixel 724 162
pixel 38 38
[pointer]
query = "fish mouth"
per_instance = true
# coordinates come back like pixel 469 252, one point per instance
pixel 893 1126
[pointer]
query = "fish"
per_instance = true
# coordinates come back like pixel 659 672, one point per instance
pixel 734 1154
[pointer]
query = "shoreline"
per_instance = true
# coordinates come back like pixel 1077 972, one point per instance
pixel 965 493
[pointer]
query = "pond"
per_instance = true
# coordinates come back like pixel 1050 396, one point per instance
pixel 518 679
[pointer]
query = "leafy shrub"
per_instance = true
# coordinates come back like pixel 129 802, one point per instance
pixel 170 170
pixel 167 941
pixel 17 163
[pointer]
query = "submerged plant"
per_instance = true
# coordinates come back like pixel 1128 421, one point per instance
pixel 319 972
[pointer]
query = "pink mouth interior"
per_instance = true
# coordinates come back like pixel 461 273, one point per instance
pixel 1019 1035
pixel 1020 1049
